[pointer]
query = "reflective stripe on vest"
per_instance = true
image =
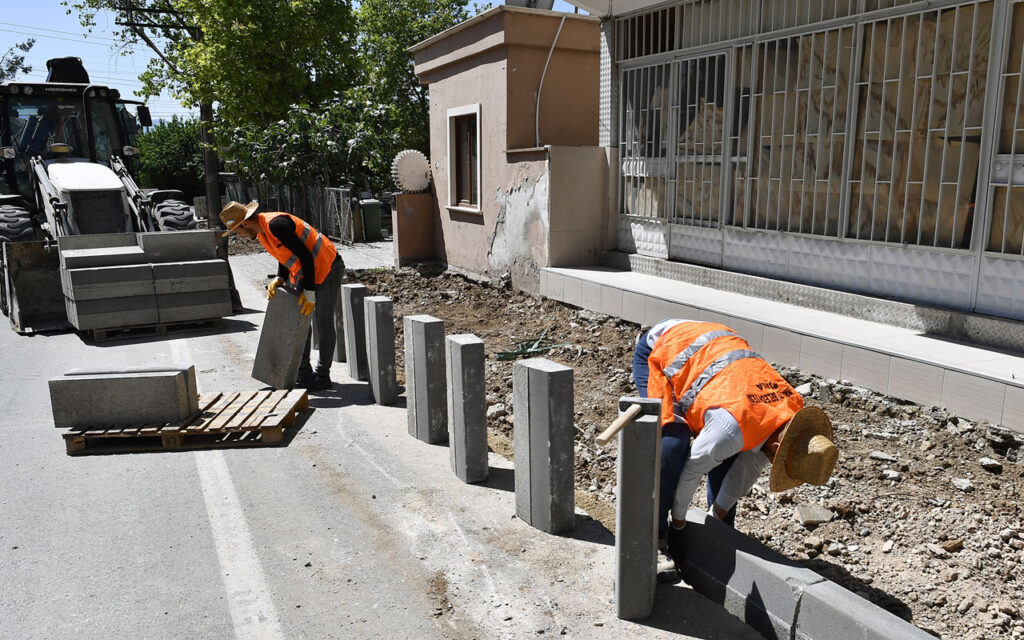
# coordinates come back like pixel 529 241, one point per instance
pixel 316 247
pixel 680 360
pixel 682 406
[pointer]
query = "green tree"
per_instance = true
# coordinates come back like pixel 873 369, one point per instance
pixel 253 59
pixel 394 106
pixel 171 154
pixel 12 63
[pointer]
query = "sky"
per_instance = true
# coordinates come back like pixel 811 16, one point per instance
pixel 58 34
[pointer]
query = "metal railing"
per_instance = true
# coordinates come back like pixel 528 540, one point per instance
pixel 867 128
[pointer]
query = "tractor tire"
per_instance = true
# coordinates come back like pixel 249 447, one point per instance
pixel 16 225
pixel 174 215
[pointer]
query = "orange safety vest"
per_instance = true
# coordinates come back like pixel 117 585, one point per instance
pixel 696 366
pixel 321 247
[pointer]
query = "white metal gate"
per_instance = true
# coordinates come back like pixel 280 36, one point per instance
pixel 880 152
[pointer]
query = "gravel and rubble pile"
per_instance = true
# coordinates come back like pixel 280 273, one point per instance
pixel 922 516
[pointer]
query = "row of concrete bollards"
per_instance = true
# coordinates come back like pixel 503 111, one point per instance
pixel 447 402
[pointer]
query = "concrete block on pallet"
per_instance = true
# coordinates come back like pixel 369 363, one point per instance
pixel 828 611
pixel 189 371
pixel 282 339
pixel 636 518
pixel 113 320
pixel 115 305
pixel 178 246
pixel 103 257
pixel 543 430
pixel 467 407
pixel 752 582
pixel 380 348
pixel 97 241
pixel 195 312
pixel 132 399
pixel 425 382
pixel 194 298
pixel 108 282
pixel 353 297
pixel 186 277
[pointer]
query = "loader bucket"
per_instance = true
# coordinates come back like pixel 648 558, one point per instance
pixel 35 300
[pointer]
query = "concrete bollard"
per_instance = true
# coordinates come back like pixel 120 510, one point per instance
pixel 467 407
pixel 380 348
pixel 339 330
pixel 425 387
pixel 352 309
pixel 636 519
pixel 543 442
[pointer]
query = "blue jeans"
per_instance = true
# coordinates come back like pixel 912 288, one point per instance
pixel 675 449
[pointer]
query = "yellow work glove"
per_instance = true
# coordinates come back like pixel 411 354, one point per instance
pixel 272 288
pixel 307 300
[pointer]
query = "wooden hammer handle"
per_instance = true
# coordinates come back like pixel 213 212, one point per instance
pixel 613 429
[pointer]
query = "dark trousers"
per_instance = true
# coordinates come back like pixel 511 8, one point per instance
pixel 675 449
pixel 327 294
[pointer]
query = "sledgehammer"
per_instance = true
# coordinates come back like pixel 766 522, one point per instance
pixel 631 408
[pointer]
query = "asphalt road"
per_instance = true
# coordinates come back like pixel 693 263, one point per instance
pixel 351 530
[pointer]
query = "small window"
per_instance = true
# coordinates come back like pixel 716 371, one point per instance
pixel 464 157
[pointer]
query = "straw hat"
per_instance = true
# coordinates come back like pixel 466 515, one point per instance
pixel 806 451
pixel 235 213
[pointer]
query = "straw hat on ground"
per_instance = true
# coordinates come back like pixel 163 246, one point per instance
pixel 235 213
pixel 806 451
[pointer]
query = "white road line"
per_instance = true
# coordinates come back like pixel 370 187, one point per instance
pixel 252 609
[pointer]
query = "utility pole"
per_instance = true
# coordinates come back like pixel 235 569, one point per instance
pixel 138 25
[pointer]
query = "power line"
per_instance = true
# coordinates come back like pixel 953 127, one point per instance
pixel 39 35
pixel 68 33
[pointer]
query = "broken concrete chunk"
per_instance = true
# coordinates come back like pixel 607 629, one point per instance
pixel 990 464
pixel 963 484
pixel 811 515
pixel 884 457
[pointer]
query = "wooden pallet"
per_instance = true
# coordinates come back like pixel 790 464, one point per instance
pixel 225 419
pixel 147 330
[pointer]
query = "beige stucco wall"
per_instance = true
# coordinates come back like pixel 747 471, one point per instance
pixel 496 61
pixel 580 205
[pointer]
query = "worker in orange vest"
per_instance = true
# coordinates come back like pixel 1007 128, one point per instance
pixel 741 413
pixel 310 263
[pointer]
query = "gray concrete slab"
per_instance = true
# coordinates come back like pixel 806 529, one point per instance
pixel 178 246
pixel 120 400
pixel 97 241
pixel 543 442
pixel 380 348
pixel 425 382
pixel 752 582
pixel 467 407
pixel 339 330
pixel 103 257
pixel 636 516
pixel 185 277
pixel 282 339
pixel 189 371
pixel 828 611
pixel 115 305
pixel 194 298
pixel 107 282
pixel 194 312
pixel 113 320
pixel 354 314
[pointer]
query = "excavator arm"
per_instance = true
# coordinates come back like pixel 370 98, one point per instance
pixel 141 205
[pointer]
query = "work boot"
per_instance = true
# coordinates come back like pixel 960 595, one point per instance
pixel 319 382
pixel 677 545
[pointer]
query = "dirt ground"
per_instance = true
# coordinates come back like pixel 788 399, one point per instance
pixel 919 525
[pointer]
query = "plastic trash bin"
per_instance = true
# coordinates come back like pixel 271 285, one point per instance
pixel 371 211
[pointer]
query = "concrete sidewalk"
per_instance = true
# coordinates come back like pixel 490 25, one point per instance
pixel 971 380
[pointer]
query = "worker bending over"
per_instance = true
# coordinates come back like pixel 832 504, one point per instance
pixel 742 413
pixel 309 261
